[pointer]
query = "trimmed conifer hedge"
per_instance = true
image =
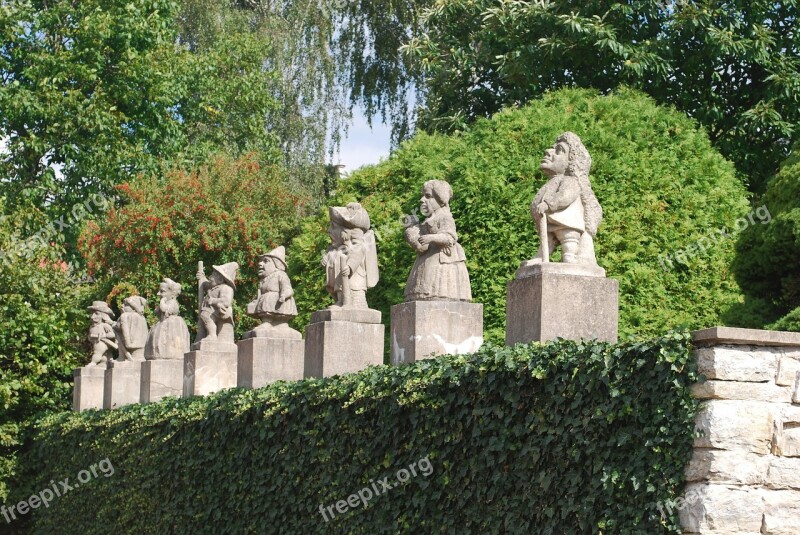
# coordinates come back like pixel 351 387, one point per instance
pixel 563 437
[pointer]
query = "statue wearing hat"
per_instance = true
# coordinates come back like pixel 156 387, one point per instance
pixel 351 262
pixel 101 333
pixel 131 329
pixel 274 305
pixel 215 320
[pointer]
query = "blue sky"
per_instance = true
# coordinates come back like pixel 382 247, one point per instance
pixel 364 145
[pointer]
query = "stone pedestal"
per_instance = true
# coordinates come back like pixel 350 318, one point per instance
pixel 89 387
pixel 744 476
pixel 122 383
pixel 553 300
pixel 265 360
pixel 424 329
pixel 161 378
pixel 343 341
pixel 210 368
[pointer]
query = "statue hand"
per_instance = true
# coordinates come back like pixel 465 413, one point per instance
pixel 346 271
pixel 200 275
pixel 426 239
pixel 542 208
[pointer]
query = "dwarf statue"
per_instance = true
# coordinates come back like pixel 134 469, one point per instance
pixel 216 309
pixel 101 333
pixel 169 337
pixel 274 305
pixel 351 262
pixel 440 271
pixel 565 209
pixel 131 329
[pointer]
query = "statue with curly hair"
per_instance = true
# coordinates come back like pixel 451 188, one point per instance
pixel 565 209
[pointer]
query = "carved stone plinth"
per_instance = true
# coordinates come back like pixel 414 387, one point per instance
pixel 551 301
pixel 210 368
pixel 160 379
pixel 343 341
pixel 424 329
pixel 265 360
pixel 122 383
pixel 89 387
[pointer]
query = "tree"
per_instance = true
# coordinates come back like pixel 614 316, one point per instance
pixel 663 188
pixel 734 66
pixel 228 210
pixel 768 254
pixel 42 311
pixel 102 90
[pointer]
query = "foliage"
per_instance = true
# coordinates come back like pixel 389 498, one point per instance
pixel 229 210
pixel 43 322
pixel 767 256
pixel 525 439
pixel 662 187
pixel 733 66
pixel 101 90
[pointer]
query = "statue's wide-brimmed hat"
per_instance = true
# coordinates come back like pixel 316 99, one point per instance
pixel 351 216
pixel 278 253
pixel 136 302
pixel 101 306
pixel 228 272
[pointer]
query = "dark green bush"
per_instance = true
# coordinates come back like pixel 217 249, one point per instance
pixel 768 255
pixel 662 187
pixel 559 438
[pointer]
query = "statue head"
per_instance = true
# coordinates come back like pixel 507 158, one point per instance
pixel 436 194
pixel 272 261
pixel 134 303
pixel 579 159
pixel 169 289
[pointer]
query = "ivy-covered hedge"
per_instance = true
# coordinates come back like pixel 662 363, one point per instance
pixel 558 438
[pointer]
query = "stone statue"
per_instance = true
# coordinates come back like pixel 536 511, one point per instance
pixel 169 337
pixel 274 305
pixel 351 262
pixel 570 209
pixel 101 333
pixel 215 320
pixel 131 329
pixel 440 271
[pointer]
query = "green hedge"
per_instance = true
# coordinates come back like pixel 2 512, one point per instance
pixel 558 438
pixel 663 187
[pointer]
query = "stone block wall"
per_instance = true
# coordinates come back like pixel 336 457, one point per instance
pixel 744 477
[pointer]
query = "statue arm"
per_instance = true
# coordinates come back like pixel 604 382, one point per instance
pixel 568 190
pixel 285 290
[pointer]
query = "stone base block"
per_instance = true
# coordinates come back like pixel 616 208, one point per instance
pixel 160 379
pixel 89 387
pixel 122 384
pixel 206 372
pixel 545 306
pixel 355 315
pixel 337 347
pixel 424 329
pixel 265 360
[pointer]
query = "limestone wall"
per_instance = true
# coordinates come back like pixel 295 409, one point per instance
pixel 744 477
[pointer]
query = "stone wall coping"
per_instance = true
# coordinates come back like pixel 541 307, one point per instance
pixel 739 336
